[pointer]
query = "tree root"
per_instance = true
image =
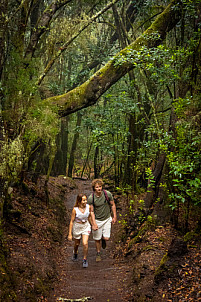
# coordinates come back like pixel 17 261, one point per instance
pixel 74 300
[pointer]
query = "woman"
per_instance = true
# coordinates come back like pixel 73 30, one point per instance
pixel 80 227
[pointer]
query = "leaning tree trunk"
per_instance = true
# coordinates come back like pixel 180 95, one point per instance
pixel 152 193
pixel 89 92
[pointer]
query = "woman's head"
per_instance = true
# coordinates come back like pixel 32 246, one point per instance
pixel 80 198
pixel 97 181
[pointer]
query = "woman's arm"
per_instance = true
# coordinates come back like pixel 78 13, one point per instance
pixel 71 224
pixel 93 221
pixel 89 218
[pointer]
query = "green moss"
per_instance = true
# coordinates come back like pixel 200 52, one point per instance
pixel 162 239
pixel 164 260
pixel 162 267
pixel 139 236
pixel 191 236
pixel 149 248
pixel 41 287
pixel 149 224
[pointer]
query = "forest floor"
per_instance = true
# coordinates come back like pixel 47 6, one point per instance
pixel 158 267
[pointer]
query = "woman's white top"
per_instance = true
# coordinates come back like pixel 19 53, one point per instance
pixel 82 217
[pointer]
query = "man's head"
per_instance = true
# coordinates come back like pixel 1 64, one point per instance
pixel 97 182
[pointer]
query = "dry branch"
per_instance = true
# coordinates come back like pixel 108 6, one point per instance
pixel 74 300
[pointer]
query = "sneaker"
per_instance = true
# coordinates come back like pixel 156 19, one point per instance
pixel 98 257
pixel 75 257
pixel 85 263
pixel 103 243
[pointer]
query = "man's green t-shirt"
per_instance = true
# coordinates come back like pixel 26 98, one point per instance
pixel 101 206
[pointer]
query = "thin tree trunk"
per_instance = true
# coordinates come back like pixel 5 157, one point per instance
pixel 3 30
pixel 74 145
pixel 96 168
pixel 51 161
pixel 85 163
pixel 60 161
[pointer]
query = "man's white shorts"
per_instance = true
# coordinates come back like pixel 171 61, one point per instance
pixel 104 229
pixel 80 229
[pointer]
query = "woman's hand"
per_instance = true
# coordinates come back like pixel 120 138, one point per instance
pixel 70 238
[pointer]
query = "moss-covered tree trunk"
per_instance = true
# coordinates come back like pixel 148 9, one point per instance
pixel 88 93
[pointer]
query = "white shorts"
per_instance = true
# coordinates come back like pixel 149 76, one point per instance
pixel 104 229
pixel 80 229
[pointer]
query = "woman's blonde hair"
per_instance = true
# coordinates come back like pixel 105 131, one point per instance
pixel 97 181
pixel 79 199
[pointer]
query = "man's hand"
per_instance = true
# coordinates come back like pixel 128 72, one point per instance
pixel 94 227
pixel 114 220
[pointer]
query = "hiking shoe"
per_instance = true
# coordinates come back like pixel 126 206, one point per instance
pixel 103 243
pixel 75 257
pixel 85 263
pixel 98 257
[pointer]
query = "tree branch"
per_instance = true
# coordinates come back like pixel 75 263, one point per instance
pixel 59 52
pixel 43 24
pixel 89 92
pixel 74 300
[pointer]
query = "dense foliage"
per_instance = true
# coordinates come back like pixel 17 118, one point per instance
pixel 49 48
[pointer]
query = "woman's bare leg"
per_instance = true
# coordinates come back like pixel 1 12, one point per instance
pixel 76 245
pixel 85 239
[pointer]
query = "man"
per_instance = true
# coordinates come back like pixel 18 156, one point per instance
pixel 102 203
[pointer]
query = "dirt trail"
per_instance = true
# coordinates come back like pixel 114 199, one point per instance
pixel 103 281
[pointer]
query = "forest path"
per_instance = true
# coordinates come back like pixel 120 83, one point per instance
pixel 103 281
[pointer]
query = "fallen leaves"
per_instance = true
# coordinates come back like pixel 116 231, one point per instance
pixel 188 286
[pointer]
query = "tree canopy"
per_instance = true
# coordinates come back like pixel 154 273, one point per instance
pixel 88 93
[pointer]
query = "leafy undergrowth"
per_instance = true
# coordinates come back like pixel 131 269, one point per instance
pixel 31 240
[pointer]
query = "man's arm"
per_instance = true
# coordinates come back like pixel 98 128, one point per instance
pixel 114 211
